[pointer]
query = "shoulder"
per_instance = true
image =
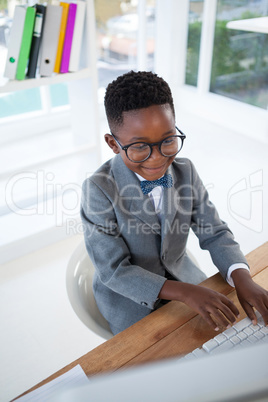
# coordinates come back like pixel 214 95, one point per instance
pixel 182 163
pixel 98 190
pixel 103 177
pixel 108 179
pixel 183 167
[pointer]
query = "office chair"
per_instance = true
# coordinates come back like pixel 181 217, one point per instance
pixel 79 277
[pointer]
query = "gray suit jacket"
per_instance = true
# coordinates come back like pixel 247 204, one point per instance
pixel 131 250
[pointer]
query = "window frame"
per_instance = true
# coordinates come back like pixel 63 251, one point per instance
pixel 246 120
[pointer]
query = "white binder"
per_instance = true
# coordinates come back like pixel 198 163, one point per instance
pixel 77 36
pixel 15 42
pixel 50 40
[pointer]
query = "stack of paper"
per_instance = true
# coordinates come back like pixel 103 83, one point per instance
pixel 73 378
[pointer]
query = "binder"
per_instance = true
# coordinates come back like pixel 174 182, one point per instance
pixel 77 36
pixel 36 40
pixel 65 11
pixel 50 40
pixel 15 42
pixel 26 41
pixel 68 39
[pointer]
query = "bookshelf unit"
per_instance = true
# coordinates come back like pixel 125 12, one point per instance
pixel 78 157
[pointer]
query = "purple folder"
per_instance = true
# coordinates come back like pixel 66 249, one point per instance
pixel 64 68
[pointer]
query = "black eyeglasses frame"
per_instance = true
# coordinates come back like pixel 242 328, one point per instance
pixel 182 136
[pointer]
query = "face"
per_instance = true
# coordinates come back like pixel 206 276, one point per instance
pixel 151 124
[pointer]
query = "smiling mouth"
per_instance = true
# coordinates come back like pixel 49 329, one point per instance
pixel 154 168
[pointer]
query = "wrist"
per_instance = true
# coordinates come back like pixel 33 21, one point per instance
pixel 240 275
pixel 173 290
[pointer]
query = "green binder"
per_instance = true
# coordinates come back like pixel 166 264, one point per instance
pixel 25 43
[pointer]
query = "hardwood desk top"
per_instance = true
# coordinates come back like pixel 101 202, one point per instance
pixel 171 331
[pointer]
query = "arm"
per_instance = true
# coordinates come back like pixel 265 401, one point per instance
pixel 110 253
pixel 214 234
pixel 216 309
pixel 250 295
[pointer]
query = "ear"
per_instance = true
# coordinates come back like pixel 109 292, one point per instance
pixel 112 143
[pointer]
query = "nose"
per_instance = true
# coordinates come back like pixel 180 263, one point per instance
pixel 156 154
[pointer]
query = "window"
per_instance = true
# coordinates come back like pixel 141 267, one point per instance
pixel 215 71
pixel 240 58
pixel 118 26
pixel 237 62
pixel 193 45
pixel 20 103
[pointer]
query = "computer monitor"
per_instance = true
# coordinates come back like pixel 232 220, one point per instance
pixel 236 375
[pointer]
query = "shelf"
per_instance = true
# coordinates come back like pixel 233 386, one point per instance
pixel 43 179
pixel 37 230
pixel 57 156
pixel 41 175
pixel 259 25
pixel 12 86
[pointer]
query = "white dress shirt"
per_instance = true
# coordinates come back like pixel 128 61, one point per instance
pixel 156 196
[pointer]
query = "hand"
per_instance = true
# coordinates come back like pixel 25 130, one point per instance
pixel 250 295
pixel 216 309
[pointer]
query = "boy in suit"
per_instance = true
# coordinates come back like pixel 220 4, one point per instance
pixel 138 208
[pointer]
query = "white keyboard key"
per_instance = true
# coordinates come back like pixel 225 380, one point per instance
pixel 242 335
pixel 223 347
pixel 210 345
pixel 239 326
pixel 264 330
pixel 248 331
pixel 199 352
pixel 254 327
pixel 252 339
pixel 245 343
pixel 235 340
pixel 220 338
pixel 238 346
pixel 190 356
pixel 259 334
pixel 229 332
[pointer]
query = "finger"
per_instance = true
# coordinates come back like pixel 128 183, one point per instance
pixel 263 310
pixel 262 307
pixel 229 314
pixel 220 319
pixel 265 314
pixel 231 306
pixel 210 321
pixel 265 317
pixel 250 312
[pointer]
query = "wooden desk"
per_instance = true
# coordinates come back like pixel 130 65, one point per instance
pixel 172 330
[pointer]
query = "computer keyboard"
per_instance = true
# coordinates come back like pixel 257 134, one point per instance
pixel 241 334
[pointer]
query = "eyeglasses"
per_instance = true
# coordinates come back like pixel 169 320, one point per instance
pixel 141 151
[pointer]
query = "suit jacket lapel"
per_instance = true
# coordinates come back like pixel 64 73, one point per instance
pixel 135 202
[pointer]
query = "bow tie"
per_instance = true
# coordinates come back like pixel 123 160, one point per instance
pixel 165 181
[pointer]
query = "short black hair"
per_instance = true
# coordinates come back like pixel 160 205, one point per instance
pixel 132 91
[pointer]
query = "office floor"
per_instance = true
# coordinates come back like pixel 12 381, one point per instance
pixel 40 333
